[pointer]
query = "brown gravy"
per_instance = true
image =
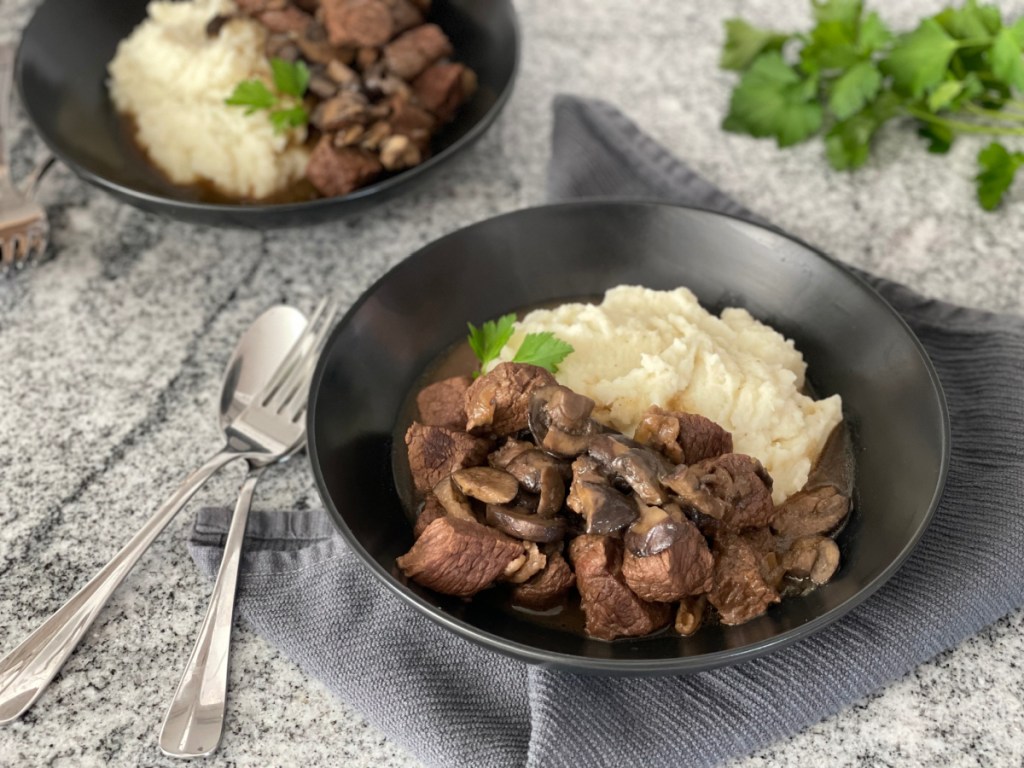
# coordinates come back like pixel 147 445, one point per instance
pixel 835 465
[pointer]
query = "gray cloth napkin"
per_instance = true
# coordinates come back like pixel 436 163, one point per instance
pixel 453 704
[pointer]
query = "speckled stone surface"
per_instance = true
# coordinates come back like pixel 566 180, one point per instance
pixel 112 352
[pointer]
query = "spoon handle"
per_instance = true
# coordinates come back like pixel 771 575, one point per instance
pixel 195 718
pixel 28 669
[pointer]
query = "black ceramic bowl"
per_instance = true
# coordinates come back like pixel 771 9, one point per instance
pixel 61 73
pixel 854 343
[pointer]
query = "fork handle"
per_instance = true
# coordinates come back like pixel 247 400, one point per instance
pixel 195 719
pixel 28 669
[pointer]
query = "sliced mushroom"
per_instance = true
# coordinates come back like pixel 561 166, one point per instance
pixel 816 557
pixel 606 447
pixel 657 529
pixel 603 508
pixel 525 526
pixel 560 421
pixel 505 455
pixel 453 500
pixel 642 469
pixel 539 473
pixel 534 564
pixel 489 485
pixel 690 615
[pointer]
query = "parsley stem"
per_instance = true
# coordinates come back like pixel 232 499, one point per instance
pixel 973 42
pixel 961 126
pixel 994 114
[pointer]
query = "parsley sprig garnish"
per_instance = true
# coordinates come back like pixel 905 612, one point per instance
pixel 285 106
pixel 958 72
pixel 542 349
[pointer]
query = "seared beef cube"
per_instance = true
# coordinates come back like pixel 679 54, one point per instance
pixel 459 557
pixel 357 22
pixel 407 119
pixel 612 609
pixel 404 15
pixel 685 438
pixel 548 588
pixel 254 7
pixel 498 402
pixel 289 19
pixel 739 590
pixel 683 569
pixel 806 513
pixel 733 489
pixel 436 452
pixel 339 171
pixel 445 87
pixel 429 511
pixel 412 52
pixel 442 404
pixel 814 557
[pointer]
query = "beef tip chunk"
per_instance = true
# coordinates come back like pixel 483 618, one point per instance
pixel 498 402
pixel 738 589
pixel 548 588
pixel 813 557
pixel 459 557
pixel 289 19
pixel 404 15
pixel 733 489
pixel 810 512
pixel 685 438
pixel 412 52
pixel 442 404
pixel 436 452
pixel 612 609
pixel 429 511
pixel 444 87
pixel 357 22
pixel 254 7
pixel 681 570
pixel 408 119
pixel 339 171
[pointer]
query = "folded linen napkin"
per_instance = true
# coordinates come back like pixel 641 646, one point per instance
pixel 305 592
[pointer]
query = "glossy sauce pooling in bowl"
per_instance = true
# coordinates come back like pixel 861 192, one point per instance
pixel 617 557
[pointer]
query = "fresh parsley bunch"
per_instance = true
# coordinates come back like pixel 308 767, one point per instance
pixel 543 349
pixel 958 72
pixel 286 109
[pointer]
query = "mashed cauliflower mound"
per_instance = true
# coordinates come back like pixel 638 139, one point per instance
pixel 172 79
pixel 641 347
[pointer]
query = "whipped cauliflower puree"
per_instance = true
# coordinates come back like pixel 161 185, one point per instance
pixel 172 79
pixel 641 347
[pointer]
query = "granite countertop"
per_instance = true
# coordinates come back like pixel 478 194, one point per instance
pixel 113 349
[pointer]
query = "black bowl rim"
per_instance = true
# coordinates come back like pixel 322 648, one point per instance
pixel 371 190
pixel 585 664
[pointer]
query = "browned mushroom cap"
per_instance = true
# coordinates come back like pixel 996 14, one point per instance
pixel 642 469
pixel 502 457
pixel 525 526
pixel 489 485
pixel 655 531
pixel 813 556
pixel 690 614
pixel 604 448
pixel 603 508
pixel 540 473
pixel 534 562
pixel 453 500
pixel 560 420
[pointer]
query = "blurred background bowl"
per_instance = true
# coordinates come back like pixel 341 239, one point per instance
pixel 854 344
pixel 61 73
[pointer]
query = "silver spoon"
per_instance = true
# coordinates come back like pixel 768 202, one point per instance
pixel 195 718
pixel 29 667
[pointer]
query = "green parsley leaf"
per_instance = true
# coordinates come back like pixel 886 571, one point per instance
pixel 251 94
pixel 1017 28
pixel 998 167
pixel 290 78
pixel 831 46
pixel 772 99
pixel 1007 62
pixel 848 143
pixel 543 349
pixel 918 61
pixel 873 34
pixel 292 117
pixel 939 137
pixel 970 22
pixel 744 43
pixel 854 88
pixel 487 341
pixel 845 12
pixel 944 94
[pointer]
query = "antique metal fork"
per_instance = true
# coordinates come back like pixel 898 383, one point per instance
pixel 23 225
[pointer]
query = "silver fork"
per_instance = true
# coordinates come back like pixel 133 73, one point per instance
pixel 267 429
pixel 24 228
